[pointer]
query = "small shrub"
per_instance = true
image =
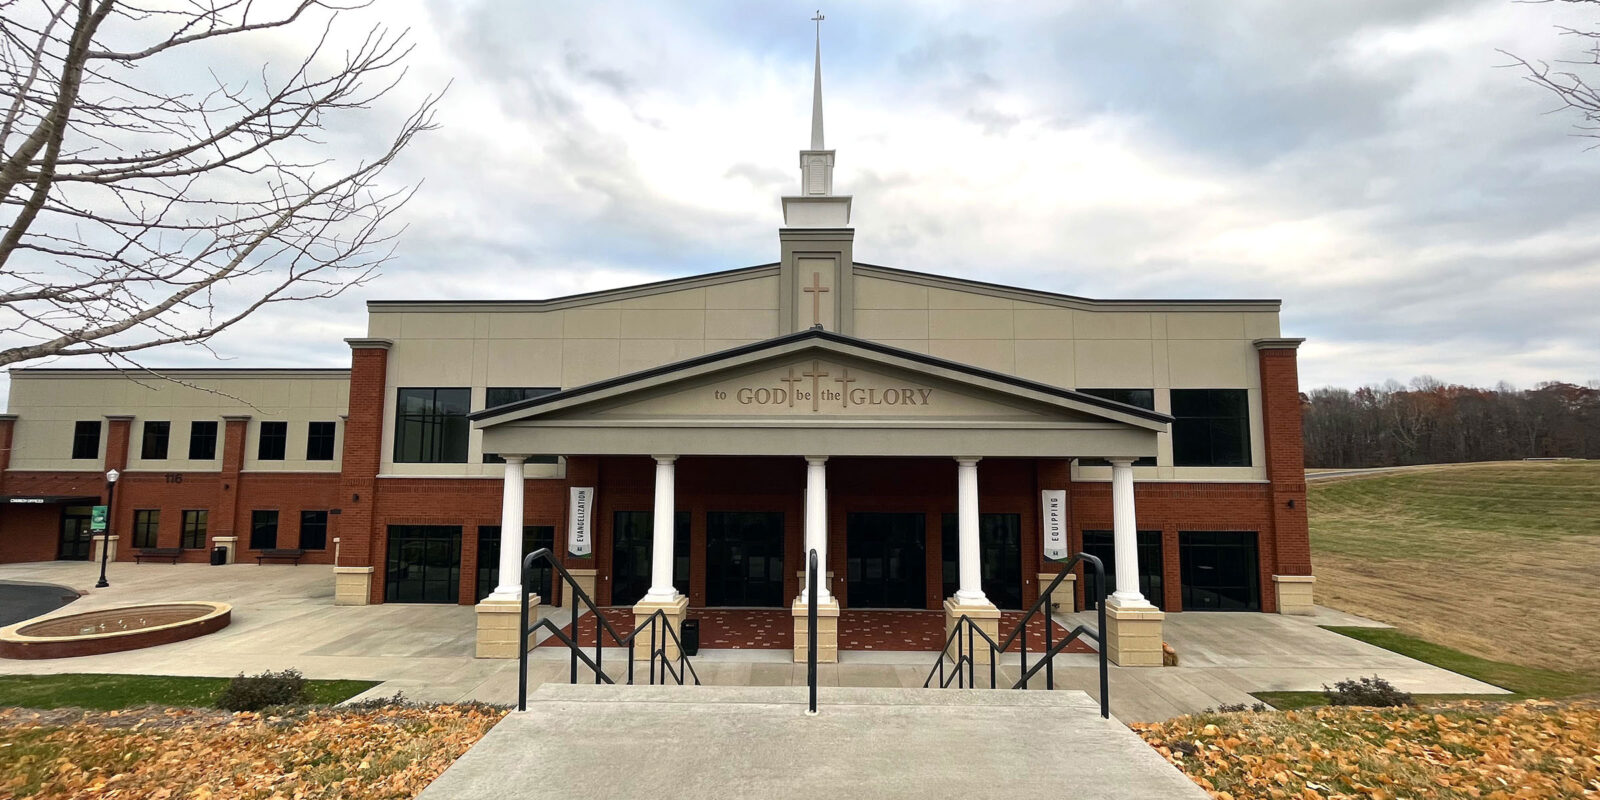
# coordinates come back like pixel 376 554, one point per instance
pixel 1235 708
pixel 1373 691
pixel 268 689
pixel 397 700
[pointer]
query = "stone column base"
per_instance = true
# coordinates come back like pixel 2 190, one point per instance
pixel 1294 594
pixel 499 626
pixel 675 610
pixel 99 542
pixel 585 579
pixel 988 619
pixel 1065 598
pixel 352 586
pixel 232 545
pixel 827 631
pixel 1133 635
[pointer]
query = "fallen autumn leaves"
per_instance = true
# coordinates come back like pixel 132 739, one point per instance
pixel 199 754
pixel 1511 751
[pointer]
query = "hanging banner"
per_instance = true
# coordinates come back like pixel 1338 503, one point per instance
pixel 1055 524
pixel 580 519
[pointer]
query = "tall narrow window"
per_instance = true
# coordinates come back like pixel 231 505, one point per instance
pixel 86 439
pixel 319 442
pixel 431 426
pixel 194 529
pixel 501 395
pixel 203 440
pixel 146 526
pixel 1138 398
pixel 1212 428
pixel 273 440
pixel 263 530
pixel 154 447
pixel 313 530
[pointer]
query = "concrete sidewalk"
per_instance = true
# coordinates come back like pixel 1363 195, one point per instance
pixel 284 617
pixel 697 742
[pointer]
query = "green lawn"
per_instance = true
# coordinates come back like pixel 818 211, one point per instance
pixel 107 692
pixel 1524 682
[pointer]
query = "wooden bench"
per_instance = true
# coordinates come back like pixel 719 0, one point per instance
pixel 282 554
pixel 169 553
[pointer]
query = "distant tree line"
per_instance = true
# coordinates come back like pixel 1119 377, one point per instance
pixel 1430 422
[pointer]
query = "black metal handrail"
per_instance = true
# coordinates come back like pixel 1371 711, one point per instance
pixel 965 663
pixel 660 629
pixel 811 630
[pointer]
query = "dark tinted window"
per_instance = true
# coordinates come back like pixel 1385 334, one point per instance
pixel 263 530
pixel 146 527
pixel 631 549
pixel 319 441
pixel 274 438
pixel 1220 570
pixel 501 395
pixel 203 440
pixel 999 557
pixel 194 529
pixel 313 530
pixel 1212 428
pixel 1141 398
pixel 424 564
pixel 86 439
pixel 431 426
pixel 154 446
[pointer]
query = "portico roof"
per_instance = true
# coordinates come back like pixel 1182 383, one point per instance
pixel 817 392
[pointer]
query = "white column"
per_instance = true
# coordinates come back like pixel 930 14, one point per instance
pixel 816 527
pixel 1125 536
pixel 971 590
pixel 510 587
pixel 661 588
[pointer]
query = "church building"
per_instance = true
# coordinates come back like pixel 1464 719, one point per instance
pixel 942 443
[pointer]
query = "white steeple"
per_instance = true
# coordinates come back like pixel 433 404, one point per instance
pixel 816 206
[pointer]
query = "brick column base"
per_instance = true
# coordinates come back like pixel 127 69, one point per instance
pixel 500 626
pixel 1133 635
pixel 352 586
pixel 988 619
pixel 675 610
pixel 827 632
pixel 1294 594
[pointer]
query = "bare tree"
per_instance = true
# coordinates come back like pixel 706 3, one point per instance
pixel 139 211
pixel 1568 80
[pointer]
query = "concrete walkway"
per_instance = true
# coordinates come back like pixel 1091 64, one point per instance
pixel 284 617
pixel 698 742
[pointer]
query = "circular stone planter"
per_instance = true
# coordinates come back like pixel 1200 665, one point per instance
pixel 112 630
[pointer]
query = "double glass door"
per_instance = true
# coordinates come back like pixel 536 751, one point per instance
pixel 75 535
pixel 631 534
pixel 744 558
pixel 1102 545
pixel 533 538
pixel 886 560
pixel 999 557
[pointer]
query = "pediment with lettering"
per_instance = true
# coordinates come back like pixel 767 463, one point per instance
pixel 830 387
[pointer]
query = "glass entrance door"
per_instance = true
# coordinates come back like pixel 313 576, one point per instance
pixel 75 535
pixel 1219 570
pixel 533 538
pixel 886 560
pixel 999 557
pixel 1101 545
pixel 424 564
pixel 631 552
pixel 744 558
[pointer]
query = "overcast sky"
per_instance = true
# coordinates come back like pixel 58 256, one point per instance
pixel 1366 161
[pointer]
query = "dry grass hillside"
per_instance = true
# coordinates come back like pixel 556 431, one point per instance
pixel 1501 559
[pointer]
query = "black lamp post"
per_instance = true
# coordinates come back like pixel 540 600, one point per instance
pixel 105 535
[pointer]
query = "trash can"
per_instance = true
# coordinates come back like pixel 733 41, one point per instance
pixel 219 556
pixel 689 637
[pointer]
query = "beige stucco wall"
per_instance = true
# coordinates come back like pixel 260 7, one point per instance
pixel 48 405
pixel 1081 349
pixel 562 347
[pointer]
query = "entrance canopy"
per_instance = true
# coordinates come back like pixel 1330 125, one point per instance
pixel 820 393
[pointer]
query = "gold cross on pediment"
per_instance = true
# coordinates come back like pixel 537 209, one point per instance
pixel 816 290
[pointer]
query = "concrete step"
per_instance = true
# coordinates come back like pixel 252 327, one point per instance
pixel 666 742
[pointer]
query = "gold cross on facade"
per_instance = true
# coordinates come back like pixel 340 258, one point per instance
pixel 791 380
pixel 844 380
pixel 816 375
pixel 815 290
